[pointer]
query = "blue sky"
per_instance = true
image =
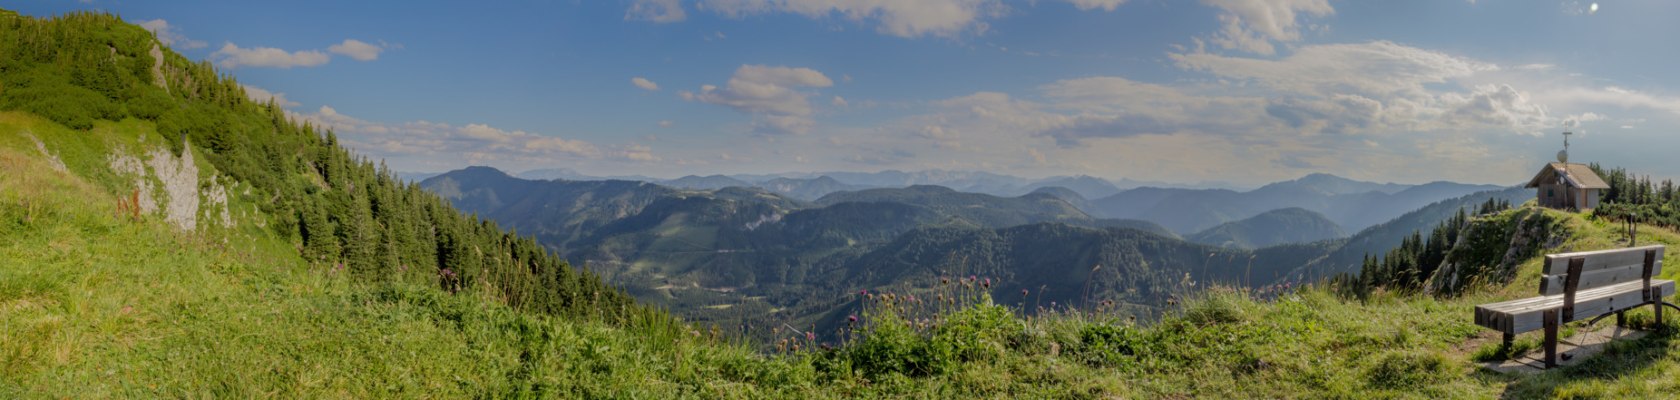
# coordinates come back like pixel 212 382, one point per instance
pixel 1245 91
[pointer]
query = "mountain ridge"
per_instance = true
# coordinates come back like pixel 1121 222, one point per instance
pixel 1271 228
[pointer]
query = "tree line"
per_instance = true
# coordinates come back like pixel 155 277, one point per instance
pixel 1632 200
pixel 1406 269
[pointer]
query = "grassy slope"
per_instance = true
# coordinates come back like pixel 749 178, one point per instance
pixel 97 306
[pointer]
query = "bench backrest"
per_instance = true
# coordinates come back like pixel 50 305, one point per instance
pixel 1571 272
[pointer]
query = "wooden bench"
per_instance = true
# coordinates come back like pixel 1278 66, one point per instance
pixel 1577 286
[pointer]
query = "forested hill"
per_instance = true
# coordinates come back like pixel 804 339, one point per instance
pixel 1282 226
pixel 87 71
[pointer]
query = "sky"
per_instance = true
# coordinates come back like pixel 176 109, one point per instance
pixel 1244 91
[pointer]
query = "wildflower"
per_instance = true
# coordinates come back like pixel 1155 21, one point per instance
pixel 810 336
pixel 864 292
pixel 851 319
pixel 988 283
pixel 1023 293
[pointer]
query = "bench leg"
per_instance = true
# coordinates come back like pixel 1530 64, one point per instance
pixel 1621 320
pixel 1550 320
pixel 1510 338
pixel 1656 305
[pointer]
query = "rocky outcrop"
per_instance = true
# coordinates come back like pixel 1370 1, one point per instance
pixel 1490 249
pixel 170 184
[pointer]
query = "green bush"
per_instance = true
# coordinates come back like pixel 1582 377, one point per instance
pixel 892 347
pixel 1110 345
pixel 977 333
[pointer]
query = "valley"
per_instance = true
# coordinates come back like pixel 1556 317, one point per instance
pixel 748 257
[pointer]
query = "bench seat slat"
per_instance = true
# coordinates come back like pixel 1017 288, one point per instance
pixel 1523 315
pixel 1558 264
pixel 1553 284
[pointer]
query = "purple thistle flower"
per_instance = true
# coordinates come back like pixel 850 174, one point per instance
pixel 810 336
pixel 851 319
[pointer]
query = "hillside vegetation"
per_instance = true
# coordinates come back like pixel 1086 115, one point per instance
pixel 141 265
pixel 1271 228
pixel 136 113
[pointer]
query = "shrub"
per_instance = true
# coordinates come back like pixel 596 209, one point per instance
pixel 1111 345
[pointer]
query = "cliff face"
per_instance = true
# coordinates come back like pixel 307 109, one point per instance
pixel 1489 250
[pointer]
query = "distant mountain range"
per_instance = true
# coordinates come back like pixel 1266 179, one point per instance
pixel 813 185
pixel 713 250
pixel 1352 205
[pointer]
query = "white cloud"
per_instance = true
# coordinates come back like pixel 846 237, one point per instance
pixel 1499 106
pixel 771 94
pixel 356 49
pixel 439 145
pixel 1614 96
pixel 635 152
pixel 1575 121
pixel 657 11
pixel 1253 25
pixel 942 18
pixel 666 123
pixel 261 95
pixel 1106 5
pixel 838 101
pixel 1380 87
pixel 1372 68
pixel 1090 108
pixel 233 56
pixel 170 36
pixel 644 83
pixel 910 19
